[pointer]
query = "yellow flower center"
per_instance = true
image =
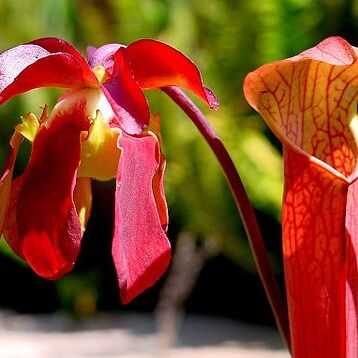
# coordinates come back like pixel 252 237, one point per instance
pixel 99 151
pixel 100 73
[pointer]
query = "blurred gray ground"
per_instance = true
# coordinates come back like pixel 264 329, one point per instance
pixel 131 335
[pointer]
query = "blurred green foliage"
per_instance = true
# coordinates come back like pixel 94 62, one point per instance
pixel 226 39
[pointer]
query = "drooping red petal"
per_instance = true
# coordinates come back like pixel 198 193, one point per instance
pixel 48 228
pixel 155 64
pixel 6 177
pixel 26 67
pixel 141 250
pixel 126 98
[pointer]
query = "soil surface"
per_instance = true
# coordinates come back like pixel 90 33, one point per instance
pixel 131 335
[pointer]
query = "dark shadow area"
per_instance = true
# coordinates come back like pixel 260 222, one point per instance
pixel 25 292
pixel 225 289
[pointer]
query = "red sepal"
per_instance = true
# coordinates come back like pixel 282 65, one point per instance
pixel 30 66
pixel 155 64
pixel 141 250
pixel 55 45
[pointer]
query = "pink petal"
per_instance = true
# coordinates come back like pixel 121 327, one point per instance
pixel 333 50
pixel 141 250
pixel 90 50
pixel 104 55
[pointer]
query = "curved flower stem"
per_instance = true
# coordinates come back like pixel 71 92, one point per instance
pixel 244 206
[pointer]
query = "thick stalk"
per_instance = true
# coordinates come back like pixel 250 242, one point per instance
pixel 244 206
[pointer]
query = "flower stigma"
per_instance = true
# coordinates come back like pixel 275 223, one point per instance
pixel 100 73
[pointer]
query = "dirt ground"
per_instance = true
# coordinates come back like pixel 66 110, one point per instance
pixel 132 335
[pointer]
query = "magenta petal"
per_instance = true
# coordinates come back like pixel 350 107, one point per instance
pixel 127 98
pixel 103 55
pixel 141 250
pixel 90 50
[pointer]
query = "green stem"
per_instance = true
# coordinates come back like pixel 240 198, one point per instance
pixel 244 206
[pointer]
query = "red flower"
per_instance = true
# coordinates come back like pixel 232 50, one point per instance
pixel 100 128
pixel 310 103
